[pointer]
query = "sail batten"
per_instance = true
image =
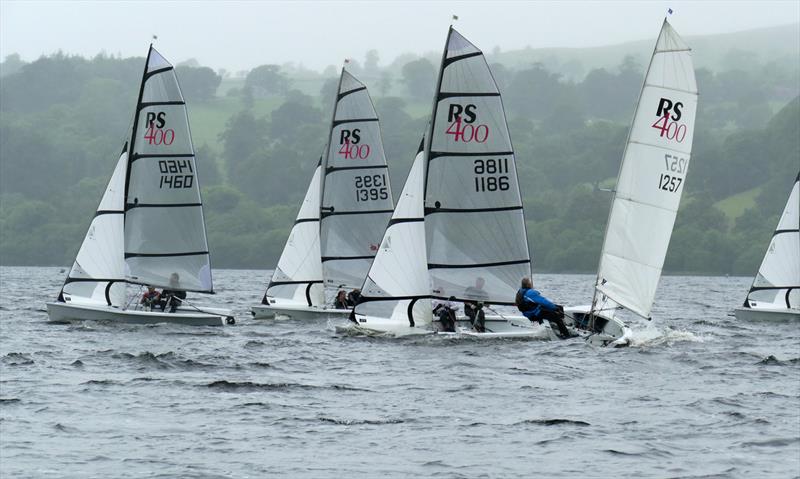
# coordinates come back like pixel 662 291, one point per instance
pixel 651 178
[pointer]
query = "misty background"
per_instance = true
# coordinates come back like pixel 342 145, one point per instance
pixel 259 80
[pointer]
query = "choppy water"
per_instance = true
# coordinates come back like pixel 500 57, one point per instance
pixel 699 395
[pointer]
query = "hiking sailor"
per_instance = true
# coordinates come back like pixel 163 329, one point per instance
pixel 536 307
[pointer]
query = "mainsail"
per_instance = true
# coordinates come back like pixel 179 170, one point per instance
pixel 651 178
pixel 298 275
pixel 777 284
pixel 165 236
pixel 356 196
pixel 98 273
pixel 475 230
pixel 397 286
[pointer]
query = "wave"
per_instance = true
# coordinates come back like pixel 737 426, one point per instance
pixel 773 361
pixel 248 386
pixel 17 359
pixel 357 422
pixel 9 400
pixel 553 422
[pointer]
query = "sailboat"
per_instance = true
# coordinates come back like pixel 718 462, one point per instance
pixel 342 218
pixel 149 227
pixel 648 192
pixel 458 232
pixel 775 293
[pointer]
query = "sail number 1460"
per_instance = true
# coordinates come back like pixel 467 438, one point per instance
pixel 491 175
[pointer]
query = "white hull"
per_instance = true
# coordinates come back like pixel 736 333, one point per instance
pixel 497 327
pixel 295 311
pixel 607 331
pixel 68 312
pixel 763 314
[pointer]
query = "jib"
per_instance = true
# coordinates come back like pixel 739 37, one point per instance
pixel 153 118
pixel 664 107
pixel 456 110
pixel 350 137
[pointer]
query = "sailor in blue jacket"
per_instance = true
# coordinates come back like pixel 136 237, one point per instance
pixel 536 307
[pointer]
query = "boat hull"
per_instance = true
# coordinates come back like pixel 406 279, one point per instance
pixel 295 311
pixel 764 314
pixel 68 312
pixel 497 327
pixel 606 331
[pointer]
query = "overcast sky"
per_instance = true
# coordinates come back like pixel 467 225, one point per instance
pixel 243 34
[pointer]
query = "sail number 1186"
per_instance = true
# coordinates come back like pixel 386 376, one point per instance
pixel 491 174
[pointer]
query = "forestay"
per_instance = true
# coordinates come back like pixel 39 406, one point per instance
pixel 475 230
pixel 397 286
pixel 778 281
pixel 165 237
pixel 298 275
pixel 651 178
pixel 98 273
pixel 356 196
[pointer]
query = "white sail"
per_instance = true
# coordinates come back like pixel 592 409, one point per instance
pixel 98 273
pixel 651 178
pixel 298 275
pixel 777 284
pixel 475 230
pixel 356 196
pixel 397 287
pixel 165 236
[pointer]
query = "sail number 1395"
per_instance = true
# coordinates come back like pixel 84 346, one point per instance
pixel 371 187
pixel 491 174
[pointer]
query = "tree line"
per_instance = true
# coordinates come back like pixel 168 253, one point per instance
pixel 63 120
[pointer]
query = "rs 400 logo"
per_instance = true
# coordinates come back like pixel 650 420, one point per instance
pixel 668 123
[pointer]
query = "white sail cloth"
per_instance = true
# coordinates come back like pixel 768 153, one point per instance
pixel 165 236
pixel 298 275
pixel 98 273
pixel 475 229
pixel 356 195
pixel 397 286
pixel 651 178
pixel 777 284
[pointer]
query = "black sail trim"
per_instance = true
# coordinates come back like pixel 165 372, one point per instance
pixel 163 255
pixel 146 104
pixel 436 154
pixel 444 96
pixel 344 258
pixel 768 288
pixel 305 220
pixel 348 92
pixel 777 232
pixel 370 299
pixel 91 280
pixel 131 206
pixel 501 303
pixel 284 283
pixel 325 214
pixel 331 169
pixel 352 120
pixel 147 75
pixel 137 156
pixel 430 211
pixel 395 221
pixel 476 265
pixel 449 61
pixel 108 212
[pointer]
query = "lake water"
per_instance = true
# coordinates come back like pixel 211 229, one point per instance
pixel 698 395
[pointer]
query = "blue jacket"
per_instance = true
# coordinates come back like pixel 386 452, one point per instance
pixel 532 302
